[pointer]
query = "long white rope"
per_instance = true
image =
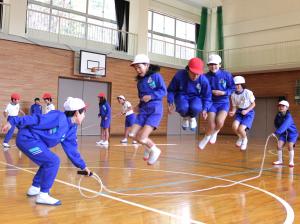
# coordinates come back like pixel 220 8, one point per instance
pixel 106 189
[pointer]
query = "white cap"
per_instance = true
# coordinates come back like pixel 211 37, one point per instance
pixel 73 104
pixel 121 97
pixel 239 80
pixel 141 59
pixel 214 59
pixel 284 103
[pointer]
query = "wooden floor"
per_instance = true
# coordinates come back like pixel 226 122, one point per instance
pixel 270 198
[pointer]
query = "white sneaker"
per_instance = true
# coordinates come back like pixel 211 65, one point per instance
pixel 33 191
pixel 244 144
pixel 213 137
pixel 134 142
pixel 100 142
pixel 291 164
pixel 124 140
pixel 278 162
pixel 104 143
pixel 154 154
pixel 46 199
pixel 146 154
pixel 6 145
pixel 193 123
pixel 185 123
pixel 204 141
pixel 239 142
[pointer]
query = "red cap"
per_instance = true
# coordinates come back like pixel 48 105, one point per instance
pixel 101 94
pixel 15 96
pixel 47 96
pixel 196 65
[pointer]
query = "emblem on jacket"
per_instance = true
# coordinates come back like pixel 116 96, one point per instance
pixel 151 83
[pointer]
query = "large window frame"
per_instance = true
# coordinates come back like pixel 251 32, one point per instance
pixel 88 26
pixel 168 44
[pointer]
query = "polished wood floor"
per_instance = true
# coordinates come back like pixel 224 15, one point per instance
pixel 270 198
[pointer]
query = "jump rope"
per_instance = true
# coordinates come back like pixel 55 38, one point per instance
pixel 104 188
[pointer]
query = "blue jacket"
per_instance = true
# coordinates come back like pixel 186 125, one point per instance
pixel 181 84
pixel 221 80
pixel 104 111
pixel 285 123
pixel 52 128
pixel 153 85
pixel 36 109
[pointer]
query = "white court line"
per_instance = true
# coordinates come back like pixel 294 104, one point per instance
pixel 182 218
pixel 125 144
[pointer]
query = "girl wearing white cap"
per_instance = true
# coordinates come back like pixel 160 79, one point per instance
pixel 286 131
pixel 129 116
pixel 38 133
pixel 151 90
pixel 243 102
pixel 222 86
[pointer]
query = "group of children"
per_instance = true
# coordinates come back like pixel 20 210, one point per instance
pixel 190 93
pixel 13 109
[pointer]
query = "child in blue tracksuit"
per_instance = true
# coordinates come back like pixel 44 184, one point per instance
pixel 151 90
pixel 36 108
pixel 12 110
pixel 191 93
pixel 38 133
pixel 105 114
pixel 286 131
pixel 222 85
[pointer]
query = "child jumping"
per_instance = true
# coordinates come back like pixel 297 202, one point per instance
pixel 12 110
pixel 151 90
pixel 191 92
pixel 38 133
pixel 243 102
pixel 286 131
pixel 129 117
pixel 222 85
pixel 105 115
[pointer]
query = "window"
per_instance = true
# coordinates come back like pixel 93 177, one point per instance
pixel 90 19
pixel 170 36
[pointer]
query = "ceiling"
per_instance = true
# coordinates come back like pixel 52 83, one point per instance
pixel 203 3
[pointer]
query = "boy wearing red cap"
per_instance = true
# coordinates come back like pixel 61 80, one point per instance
pixel 11 110
pixel 105 114
pixel 47 97
pixel 189 91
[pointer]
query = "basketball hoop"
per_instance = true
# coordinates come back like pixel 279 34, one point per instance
pixel 96 70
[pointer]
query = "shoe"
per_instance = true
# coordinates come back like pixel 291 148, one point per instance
pixel 104 143
pixel 244 144
pixel 124 140
pixel 146 154
pixel 185 123
pixel 134 142
pixel 193 123
pixel 46 199
pixel 33 191
pixel 6 145
pixel 204 142
pixel 100 142
pixel 213 138
pixel 154 154
pixel 239 142
pixel 291 164
pixel 277 162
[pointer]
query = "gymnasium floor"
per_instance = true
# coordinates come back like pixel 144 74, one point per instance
pixel 270 198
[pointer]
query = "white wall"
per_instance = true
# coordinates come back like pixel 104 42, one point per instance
pixel 17 21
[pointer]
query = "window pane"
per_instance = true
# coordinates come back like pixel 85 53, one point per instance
pixel 109 10
pixel 190 32
pixel 149 20
pixel 38 21
pixel 77 5
pixel 96 8
pixel 158 22
pixel 169 26
pixel 68 15
pixel 39 8
pixel 180 29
